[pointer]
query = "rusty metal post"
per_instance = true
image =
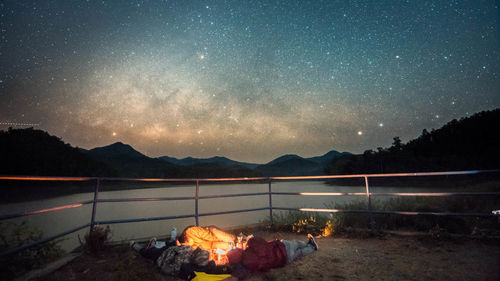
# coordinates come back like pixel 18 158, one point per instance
pixel 270 204
pixel 94 206
pixel 196 203
pixel 372 222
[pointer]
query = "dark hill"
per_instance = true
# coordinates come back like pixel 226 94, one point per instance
pixel 131 163
pixel 284 158
pixel 35 152
pixel 117 149
pixel 215 170
pixel 294 165
pixel 467 144
pixel 218 160
pixel 327 158
pixel 290 165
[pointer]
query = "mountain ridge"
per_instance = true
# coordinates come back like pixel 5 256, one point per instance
pixel 468 143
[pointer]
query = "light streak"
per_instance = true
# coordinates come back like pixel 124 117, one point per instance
pixel 54 209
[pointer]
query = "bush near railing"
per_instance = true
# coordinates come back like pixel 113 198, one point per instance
pixel 97 240
pixel 305 222
pixel 334 223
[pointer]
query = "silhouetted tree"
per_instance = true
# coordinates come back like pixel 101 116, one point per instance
pixel 468 143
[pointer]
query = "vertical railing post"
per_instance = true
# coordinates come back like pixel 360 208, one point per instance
pixel 196 202
pixel 372 222
pixel 270 204
pixel 94 206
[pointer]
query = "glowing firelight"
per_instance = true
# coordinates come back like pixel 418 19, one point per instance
pixel 219 257
pixel 219 254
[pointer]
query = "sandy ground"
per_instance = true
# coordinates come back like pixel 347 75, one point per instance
pixel 338 258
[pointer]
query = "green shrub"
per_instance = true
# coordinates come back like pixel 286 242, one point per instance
pixel 305 222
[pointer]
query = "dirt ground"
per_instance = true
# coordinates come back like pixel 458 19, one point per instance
pixel 386 257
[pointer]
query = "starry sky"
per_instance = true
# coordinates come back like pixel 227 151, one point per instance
pixel 250 80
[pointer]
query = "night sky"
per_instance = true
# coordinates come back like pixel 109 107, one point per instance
pixel 249 80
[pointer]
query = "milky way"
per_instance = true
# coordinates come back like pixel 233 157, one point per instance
pixel 250 80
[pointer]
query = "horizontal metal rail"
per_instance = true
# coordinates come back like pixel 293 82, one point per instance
pixel 144 219
pixel 180 198
pixel 232 195
pixel 386 175
pixel 43 178
pixel 233 212
pixel 447 173
pixel 178 217
pixel 388 193
pixel 436 194
pixel 44 240
pixel 321 193
pixel 385 212
pixel 144 199
pixel 49 178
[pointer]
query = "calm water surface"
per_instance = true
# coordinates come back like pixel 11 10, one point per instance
pixel 59 221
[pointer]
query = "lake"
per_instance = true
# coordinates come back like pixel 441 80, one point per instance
pixel 59 221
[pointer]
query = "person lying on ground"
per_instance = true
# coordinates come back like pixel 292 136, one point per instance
pixel 261 255
pixel 207 238
pixel 151 251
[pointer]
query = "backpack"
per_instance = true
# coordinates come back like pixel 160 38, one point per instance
pixel 172 258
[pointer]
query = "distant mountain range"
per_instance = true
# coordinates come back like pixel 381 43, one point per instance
pixel 468 143
pixel 222 161
pixel 35 152
pixel 128 161
pixel 286 165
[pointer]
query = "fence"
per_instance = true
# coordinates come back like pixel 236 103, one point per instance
pixel 267 180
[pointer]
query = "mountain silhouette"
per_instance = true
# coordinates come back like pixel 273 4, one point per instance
pixel 117 149
pixel 328 157
pixel 131 163
pixel 219 160
pixel 35 152
pixel 128 162
pixel 290 165
pixel 468 143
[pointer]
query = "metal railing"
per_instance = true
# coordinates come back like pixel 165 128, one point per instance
pixel 268 180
